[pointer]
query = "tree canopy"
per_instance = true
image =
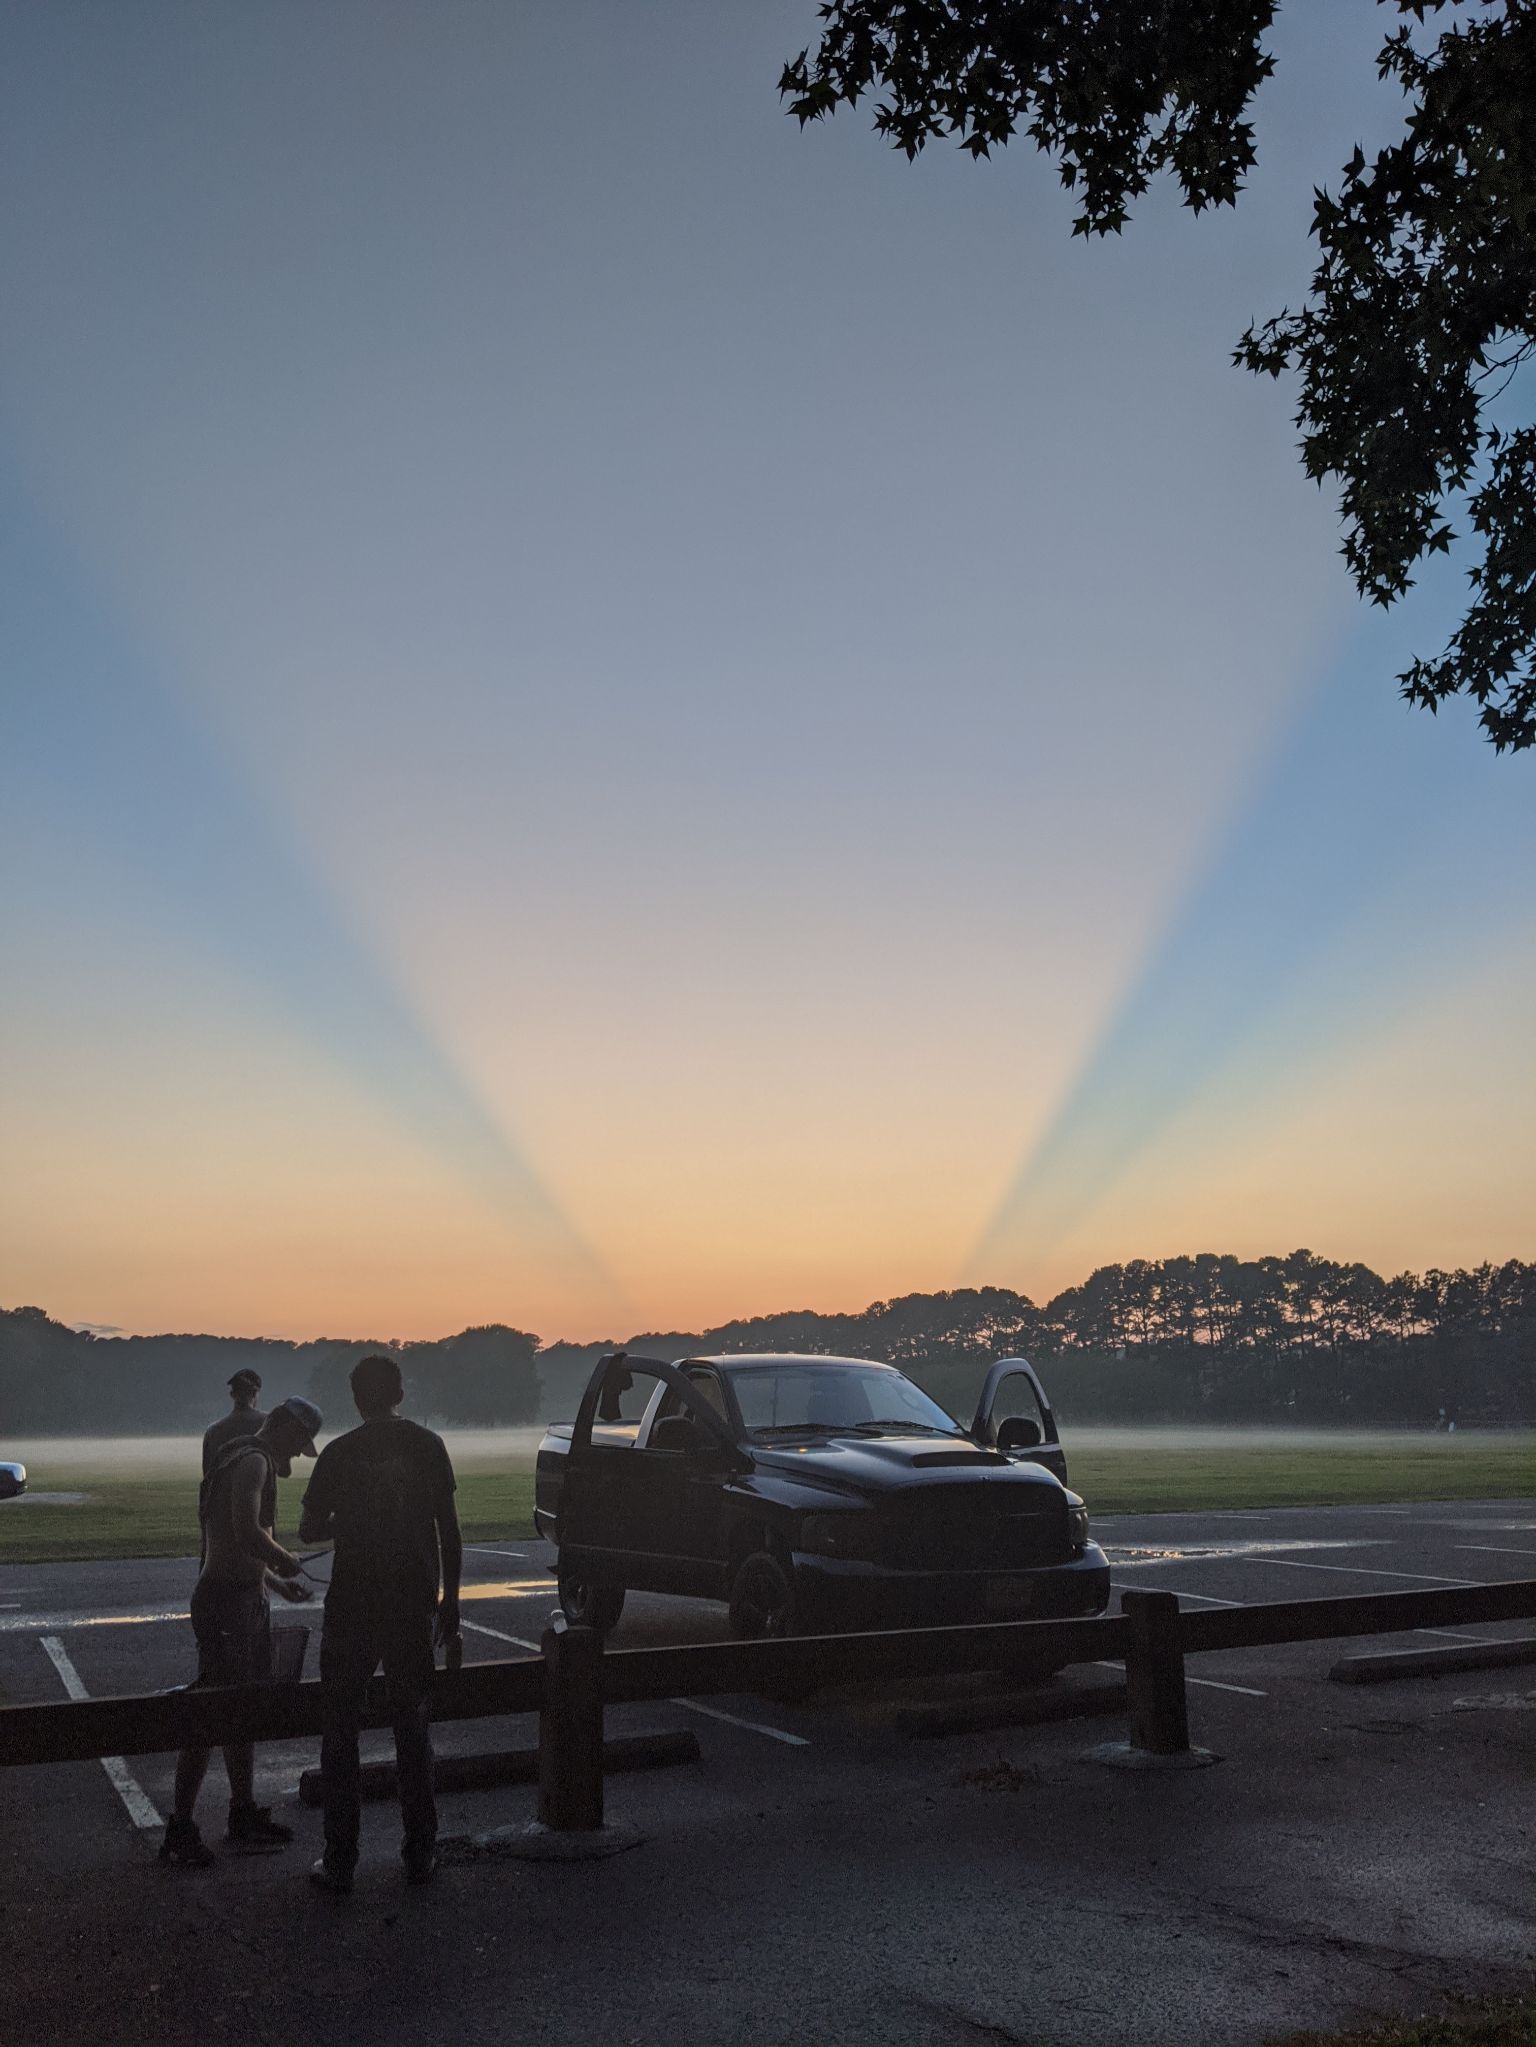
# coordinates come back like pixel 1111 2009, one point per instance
pixel 1422 307
pixel 1210 1337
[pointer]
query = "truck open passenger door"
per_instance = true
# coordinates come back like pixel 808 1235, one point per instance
pixel 1014 1416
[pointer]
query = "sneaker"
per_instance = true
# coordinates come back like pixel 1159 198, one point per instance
pixel 185 1846
pixel 420 1865
pixel 325 1877
pixel 253 1831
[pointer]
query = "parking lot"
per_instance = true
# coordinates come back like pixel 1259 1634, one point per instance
pixel 817 1875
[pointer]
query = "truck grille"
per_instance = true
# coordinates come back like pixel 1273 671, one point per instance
pixel 979 1528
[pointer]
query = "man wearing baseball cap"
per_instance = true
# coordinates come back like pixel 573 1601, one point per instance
pixel 244 1419
pixel 232 1618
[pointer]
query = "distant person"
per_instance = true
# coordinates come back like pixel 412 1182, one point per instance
pixel 244 1419
pixel 232 1617
pixel 383 1493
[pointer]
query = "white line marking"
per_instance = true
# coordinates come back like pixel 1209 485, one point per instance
pixel 29 1623
pixel 479 1628
pixel 692 1705
pixel 1361 1571
pixel 1492 1549
pixel 1204 1598
pixel 1210 1683
pixel 119 1776
pixel 752 1726
pixel 484 1550
pixel 1449 1635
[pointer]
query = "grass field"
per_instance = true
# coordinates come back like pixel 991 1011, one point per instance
pixel 1161 1480
pixel 154 1513
pixel 141 1501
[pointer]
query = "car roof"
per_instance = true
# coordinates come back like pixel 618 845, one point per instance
pixel 773 1357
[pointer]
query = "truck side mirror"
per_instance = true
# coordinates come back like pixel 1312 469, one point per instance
pixel 1018 1434
pixel 680 1432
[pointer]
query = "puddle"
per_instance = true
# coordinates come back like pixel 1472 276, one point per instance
pixel 1129 1554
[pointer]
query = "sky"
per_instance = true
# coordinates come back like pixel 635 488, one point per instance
pixel 615 715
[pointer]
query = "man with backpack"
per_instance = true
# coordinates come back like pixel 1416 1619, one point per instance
pixel 244 1418
pixel 383 1494
pixel 232 1618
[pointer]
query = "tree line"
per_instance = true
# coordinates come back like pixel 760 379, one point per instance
pixel 1208 1338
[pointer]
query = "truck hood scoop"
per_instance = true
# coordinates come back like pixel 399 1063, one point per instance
pixel 925 1460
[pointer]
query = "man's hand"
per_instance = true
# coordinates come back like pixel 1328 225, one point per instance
pixel 446 1626
pixel 285 1565
pixel 291 1590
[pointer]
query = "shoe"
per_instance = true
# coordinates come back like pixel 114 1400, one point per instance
pixel 253 1831
pixel 420 1865
pixel 325 1877
pixel 185 1846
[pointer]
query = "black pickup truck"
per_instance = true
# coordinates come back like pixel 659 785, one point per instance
pixel 811 1493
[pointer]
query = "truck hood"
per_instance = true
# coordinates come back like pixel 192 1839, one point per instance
pixel 883 1464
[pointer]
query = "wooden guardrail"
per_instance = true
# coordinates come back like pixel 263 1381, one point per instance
pixel 573 1679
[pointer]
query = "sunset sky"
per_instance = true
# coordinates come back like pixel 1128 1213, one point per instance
pixel 615 715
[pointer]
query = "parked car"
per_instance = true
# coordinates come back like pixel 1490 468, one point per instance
pixel 814 1492
pixel 13 1480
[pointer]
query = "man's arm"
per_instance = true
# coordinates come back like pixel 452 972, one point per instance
pixel 450 1543
pixel 317 1516
pixel 246 1482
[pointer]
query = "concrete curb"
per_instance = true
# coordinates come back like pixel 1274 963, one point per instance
pixel 534 1842
pixel 1120 1755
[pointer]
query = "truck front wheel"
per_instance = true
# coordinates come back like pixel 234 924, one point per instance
pixel 763 1602
pixel 586 1605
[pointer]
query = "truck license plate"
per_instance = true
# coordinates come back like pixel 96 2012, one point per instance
pixel 1009 1595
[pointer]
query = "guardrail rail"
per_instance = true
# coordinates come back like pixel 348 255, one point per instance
pixel 573 1679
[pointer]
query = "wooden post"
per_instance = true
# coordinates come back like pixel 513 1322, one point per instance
pixel 1154 1673
pixel 571 1730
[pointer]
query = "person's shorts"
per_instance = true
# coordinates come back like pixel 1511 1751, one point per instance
pixel 233 1626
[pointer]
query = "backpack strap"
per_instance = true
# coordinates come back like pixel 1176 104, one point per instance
pixel 224 1462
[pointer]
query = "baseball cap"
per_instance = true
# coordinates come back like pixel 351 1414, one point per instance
pixel 307 1415
pixel 246 1377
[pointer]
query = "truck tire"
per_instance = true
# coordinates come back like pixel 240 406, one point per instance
pixel 763 1603
pixel 586 1605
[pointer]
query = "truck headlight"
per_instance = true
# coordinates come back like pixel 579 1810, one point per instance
pixel 1077 1524
pixel 854 1536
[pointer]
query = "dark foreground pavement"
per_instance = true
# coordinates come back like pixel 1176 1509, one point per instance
pixel 1354 1852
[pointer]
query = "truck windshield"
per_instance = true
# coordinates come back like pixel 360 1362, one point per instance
pixel 834 1398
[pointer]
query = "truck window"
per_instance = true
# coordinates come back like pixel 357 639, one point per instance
pixel 705 1385
pixel 1016 1401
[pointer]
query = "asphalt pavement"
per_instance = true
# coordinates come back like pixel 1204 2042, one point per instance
pixel 818 1877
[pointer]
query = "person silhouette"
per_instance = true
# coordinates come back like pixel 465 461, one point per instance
pixel 232 1618
pixel 383 1494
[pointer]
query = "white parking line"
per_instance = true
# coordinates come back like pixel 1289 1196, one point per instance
pixel 1211 1684
pixel 119 1776
pixel 1361 1571
pixel 479 1628
pixel 735 1720
pixel 691 1705
pixel 1204 1598
pixel 29 1623
pixel 1493 1549
pixel 483 1549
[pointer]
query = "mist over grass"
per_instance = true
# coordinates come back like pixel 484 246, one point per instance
pixel 173 1457
pixel 140 1493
